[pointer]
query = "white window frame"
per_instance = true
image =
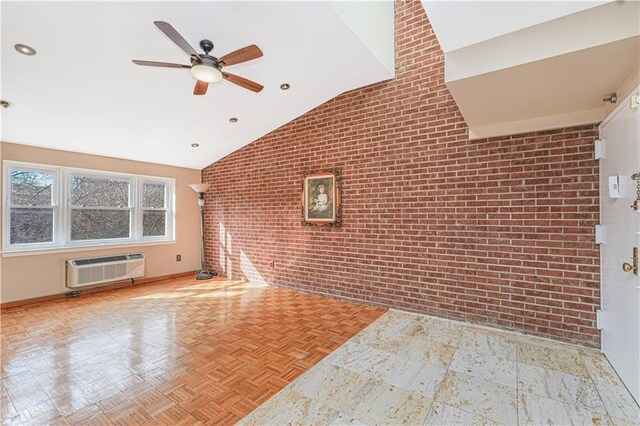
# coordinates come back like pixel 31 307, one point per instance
pixel 62 209
pixel 7 205
pixel 131 207
pixel 169 206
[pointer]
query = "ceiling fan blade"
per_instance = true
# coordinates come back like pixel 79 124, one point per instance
pixel 160 64
pixel 243 82
pixel 241 55
pixel 175 36
pixel 201 88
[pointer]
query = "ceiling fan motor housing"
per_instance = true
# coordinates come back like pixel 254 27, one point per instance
pixel 206 45
pixel 205 60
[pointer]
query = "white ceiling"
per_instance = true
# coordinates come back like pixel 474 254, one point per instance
pixel 535 65
pixel 460 24
pixel 82 93
pixel 557 86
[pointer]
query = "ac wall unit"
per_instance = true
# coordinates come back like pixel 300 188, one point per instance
pixel 98 270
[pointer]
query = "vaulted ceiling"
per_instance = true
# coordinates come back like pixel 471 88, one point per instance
pixel 81 92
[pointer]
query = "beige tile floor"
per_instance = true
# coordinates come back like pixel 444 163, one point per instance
pixel 413 369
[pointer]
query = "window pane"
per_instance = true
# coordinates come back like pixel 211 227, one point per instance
pixel 31 188
pixel 99 224
pixel 98 191
pixel 153 195
pixel 31 226
pixel 153 223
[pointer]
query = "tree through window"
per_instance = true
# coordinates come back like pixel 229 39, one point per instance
pixel 31 206
pixel 100 207
pixel 154 209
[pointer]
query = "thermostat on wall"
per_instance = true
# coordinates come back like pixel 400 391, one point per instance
pixel 614 187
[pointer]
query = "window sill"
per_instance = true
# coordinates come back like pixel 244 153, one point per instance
pixel 92 247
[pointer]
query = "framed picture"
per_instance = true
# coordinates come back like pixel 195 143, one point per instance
pixel 321 193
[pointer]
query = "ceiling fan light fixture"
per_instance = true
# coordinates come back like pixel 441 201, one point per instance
pixel 206 73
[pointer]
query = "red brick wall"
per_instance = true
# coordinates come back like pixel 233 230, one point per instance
pixel 495 231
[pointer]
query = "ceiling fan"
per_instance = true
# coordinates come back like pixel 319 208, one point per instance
pixel 204 67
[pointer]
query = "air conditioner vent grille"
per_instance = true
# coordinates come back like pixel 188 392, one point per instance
pixel 97 270
pixel 107 259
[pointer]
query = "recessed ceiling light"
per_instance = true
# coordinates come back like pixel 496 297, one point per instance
pixel 233 120
pixel 195 145
pixel 285 86
pixel 25 50
pixel 5 104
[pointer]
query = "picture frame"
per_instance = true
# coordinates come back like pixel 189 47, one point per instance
pixel 322 198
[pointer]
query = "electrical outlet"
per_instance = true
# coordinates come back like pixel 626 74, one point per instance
pixel 178 258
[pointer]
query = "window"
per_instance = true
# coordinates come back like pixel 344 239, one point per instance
pixel 31 206
pixel 57 207
pixel 154 209
pixel 100 207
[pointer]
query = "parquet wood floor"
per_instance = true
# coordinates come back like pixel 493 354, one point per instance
pixel 179 352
